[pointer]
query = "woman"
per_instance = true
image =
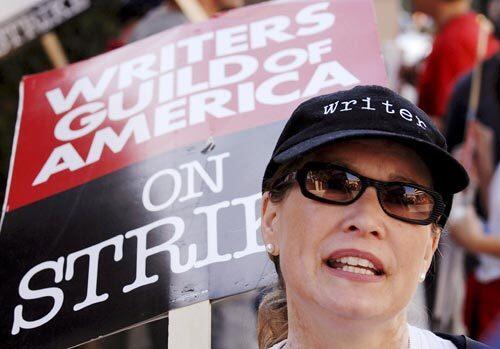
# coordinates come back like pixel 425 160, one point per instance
pixel 356 194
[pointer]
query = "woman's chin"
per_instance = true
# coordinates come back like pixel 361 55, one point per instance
pixel 351 296
pixel 352 306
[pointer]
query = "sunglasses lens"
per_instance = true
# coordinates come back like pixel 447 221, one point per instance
pixel 407 202
pixel 335 185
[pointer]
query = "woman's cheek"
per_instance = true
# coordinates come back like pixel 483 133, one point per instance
pixel 297 255
pixel 410 261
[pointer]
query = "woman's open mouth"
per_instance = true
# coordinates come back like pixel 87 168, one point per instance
pixel 355 265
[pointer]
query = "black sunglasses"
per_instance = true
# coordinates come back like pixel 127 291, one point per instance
pixel 338 185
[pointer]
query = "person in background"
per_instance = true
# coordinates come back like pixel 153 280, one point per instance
pixel 143 18
pixel 165 16
pixel 130 14
pixel 453 52
pixel 482 304
pixel 488 110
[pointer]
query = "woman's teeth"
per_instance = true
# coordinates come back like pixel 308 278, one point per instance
pixel 356 261
pixel 354 265
pixel 357 270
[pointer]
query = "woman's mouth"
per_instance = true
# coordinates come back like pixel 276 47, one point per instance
pixel 354 265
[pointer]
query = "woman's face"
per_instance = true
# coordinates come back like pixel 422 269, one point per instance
pixel 308 233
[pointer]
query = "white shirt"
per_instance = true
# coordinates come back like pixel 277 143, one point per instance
pixel 489 268
pixel 424 339
pixel 419 339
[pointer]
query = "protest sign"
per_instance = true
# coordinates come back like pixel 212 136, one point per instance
pixel 134 184
pixel 24 20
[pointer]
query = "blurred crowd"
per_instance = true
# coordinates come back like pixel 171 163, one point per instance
pixel 458 84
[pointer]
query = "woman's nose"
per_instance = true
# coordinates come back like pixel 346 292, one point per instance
pixel 365 216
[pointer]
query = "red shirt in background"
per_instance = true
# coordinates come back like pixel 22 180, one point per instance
pixel 453 54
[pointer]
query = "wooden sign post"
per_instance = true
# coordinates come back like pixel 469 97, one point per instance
pixel 54 50
pixel 190 327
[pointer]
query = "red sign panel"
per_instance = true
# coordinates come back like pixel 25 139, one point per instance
pixel 244 69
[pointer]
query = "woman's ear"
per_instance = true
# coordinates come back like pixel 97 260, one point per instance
pixel 268 220
pixel 432 246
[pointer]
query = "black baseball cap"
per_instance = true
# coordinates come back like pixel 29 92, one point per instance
pixel 368 112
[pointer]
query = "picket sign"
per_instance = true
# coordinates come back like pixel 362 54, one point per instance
pixel 143 194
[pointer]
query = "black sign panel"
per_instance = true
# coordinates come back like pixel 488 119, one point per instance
pixel 131 253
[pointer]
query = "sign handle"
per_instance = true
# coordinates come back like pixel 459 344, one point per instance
pixel 54 49
pixel 193 10
pixel 190 327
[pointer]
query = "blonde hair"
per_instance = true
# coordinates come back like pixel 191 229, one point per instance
pixel 272 319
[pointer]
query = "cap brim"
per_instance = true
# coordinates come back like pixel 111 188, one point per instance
pixel 448 174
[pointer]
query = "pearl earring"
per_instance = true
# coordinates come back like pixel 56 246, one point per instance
pixel 270 248
pixel 422 277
